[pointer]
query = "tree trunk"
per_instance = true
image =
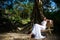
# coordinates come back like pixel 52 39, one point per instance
pixel 37 13
pixel 41 8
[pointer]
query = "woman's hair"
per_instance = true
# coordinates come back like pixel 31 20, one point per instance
pixel 49 23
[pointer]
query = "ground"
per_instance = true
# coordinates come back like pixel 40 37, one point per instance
pixel 19 36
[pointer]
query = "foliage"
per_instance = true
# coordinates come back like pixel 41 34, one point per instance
pixel 20 13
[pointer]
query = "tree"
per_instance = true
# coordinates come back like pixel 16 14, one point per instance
pixel 37 14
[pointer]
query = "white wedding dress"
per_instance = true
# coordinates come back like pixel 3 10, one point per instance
pixel 37 29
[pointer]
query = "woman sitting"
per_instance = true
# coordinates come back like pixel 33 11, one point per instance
pixel 38 27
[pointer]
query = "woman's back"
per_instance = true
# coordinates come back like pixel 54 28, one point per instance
pixel 44 23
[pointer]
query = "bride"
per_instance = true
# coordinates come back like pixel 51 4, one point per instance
pixel 37 28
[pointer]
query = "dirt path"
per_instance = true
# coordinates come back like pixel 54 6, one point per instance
pixel 18 36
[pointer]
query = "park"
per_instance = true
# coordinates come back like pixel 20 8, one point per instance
pixel 17 18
